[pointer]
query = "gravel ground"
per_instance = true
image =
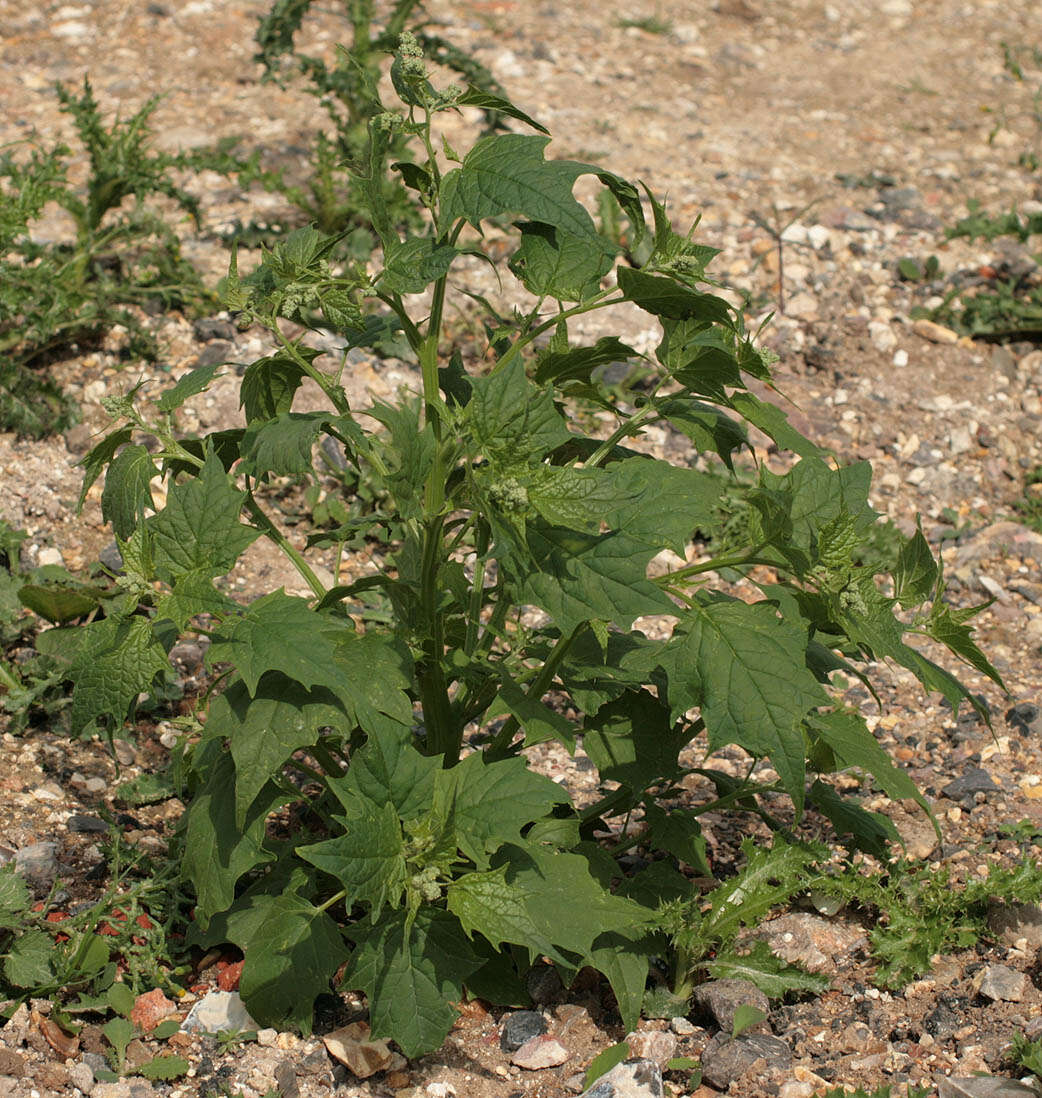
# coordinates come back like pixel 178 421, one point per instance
pixel 745 112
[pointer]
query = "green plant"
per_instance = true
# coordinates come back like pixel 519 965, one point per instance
pixel 650 24
pixel 1026 1054
pixel 914 270
pixel 1029 505
pixel 53 294
pixel 364 795
pixel 919 911
pixel 884 1090
pixel 1005 304
pixel 332 198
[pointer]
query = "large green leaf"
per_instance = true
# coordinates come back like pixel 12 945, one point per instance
pixel 127 492
pixel 279 632
pixel 709 428
pixel 193 593
pixel 493 801
pixel 624 960
pixel 506 174
pixel 578 363
pixel 410 266
pixel 28 961
pixel 538 722
pixel 389 768
pixel 217 850
pixel 195 381
pixel 14 896
pixel 512 419
pixel 290 959
pixel 486 903
pixel 578 577
pixel 264 730
pixel 199 529
pixel 116 661
pixel 411 974
pixel 666 297
pixel 746 668
pixel 768 972
pixel 566 903
pixel 270 384
pixel 553 263
pixel 634 741
pixel 283 445
pixel 368 859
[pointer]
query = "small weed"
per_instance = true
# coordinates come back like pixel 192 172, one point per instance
pixel 1029 505
pixel 914 270
pixel 650 24
pixel 123 253
pixel 1026 1054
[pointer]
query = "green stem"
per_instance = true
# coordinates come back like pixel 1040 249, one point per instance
pixel 500 744
pixel 598 301
pixel 736 560
pixel 627 427
pixel 335 898
pixel 442 736
pixel 477 591
pixel 273 533
pixel 334 394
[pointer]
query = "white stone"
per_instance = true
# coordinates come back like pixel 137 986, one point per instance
pixel 882 335
pixel 50 555
pixel 219 1012
pixel 818 236
pixel 901 358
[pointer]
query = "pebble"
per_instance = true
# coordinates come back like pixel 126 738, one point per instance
pixel 38 864
pixel 999 983
pixel 81 1076
pixel 124 1088
pixel 719 999
pixel 682 1027
pixel 975 780
pixel 218 1012
pixel 520 1027
pixel 150 1009
pixel 50 556
pixel 653 1044
pixel 934 333
pixel 1025 717
pixel 984 1086
pixel 286 1078
pixel 85 824
pixel 630 1079
pixel 440 1090
pixel 900 358
pixel 539 1053
pixel 817 944
pixel 881 335
pixel 351 1046
pixel 266 1038
pixel 726 1059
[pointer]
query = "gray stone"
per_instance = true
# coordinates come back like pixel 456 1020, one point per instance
pixel 286 1077
pixel 726 1059
pixel 111 557
pixel 11 1063
pixel 543 984
pixel 975 780
pixel 81 1076
pixel 1025 717
pixel 77 439
pixel 213 327
pixel 333 452
pixel 984 1086
pixel 38 864
pixel 1001 984
pixel 124 1088
pixel 630 1079
pixel 519 1027
pixel 219 1012
pixel 942 1021
pixel 1010 922
pixel 84 824
pixel 719 999
pixel 214 354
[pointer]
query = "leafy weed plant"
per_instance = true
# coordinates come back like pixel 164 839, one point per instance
pixel 332 197
pixel 361 792
pixel 1008 305
pixel 55 293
